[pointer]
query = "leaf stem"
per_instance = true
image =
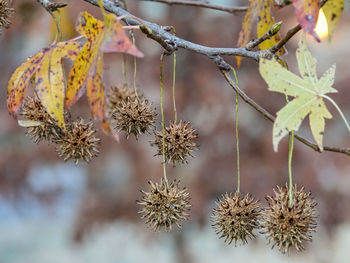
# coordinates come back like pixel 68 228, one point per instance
pixel 163 121
pixel 237 134
pixel 338 109
pixel 173 89
pixel 290 155
pixel 102 9
pixel 58 36
pixel 124 69
pixel 237 146
pixel 135 69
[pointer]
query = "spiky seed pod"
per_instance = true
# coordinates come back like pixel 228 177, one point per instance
pixel 78 142
pixel 236 217
pixel 286 226
pixel 179 142
pixel 33 110
pixel 164 205
pixel 134 117
pixel 116 96
pixel 5 14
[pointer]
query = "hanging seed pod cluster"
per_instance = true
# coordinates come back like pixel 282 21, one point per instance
pixel 166 204
pixel 6 13
pixel 78 142
pixel 130 112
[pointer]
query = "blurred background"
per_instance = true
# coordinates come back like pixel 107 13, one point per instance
pixel 52 211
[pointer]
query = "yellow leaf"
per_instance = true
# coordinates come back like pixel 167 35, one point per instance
pixel 93 30
pixel 49 78
pixel 19 82
pixel 244 34
pixel 265 21
pixel 332 11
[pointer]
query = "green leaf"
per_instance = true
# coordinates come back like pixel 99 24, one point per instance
pixel 308 92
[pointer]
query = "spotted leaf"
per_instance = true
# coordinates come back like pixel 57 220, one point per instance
pixel 306 12
pixel 101 36
pixel 332 11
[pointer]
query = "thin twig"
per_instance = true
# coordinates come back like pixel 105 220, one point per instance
pixel 273 30
pixel 203 4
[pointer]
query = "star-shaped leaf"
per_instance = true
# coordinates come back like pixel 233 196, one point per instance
pixel 308 92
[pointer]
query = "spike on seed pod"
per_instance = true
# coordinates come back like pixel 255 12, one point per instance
pixel 78 142
pixel 134 117
pixel 164 205
pixel 179 142
pixel 235 218
pixel 6 13
pixel 33 110
pixel 286 226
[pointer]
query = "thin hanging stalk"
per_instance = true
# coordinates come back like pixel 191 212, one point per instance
pixel 237 146
pixel 135 64
pixel 124 69
pixel 290 155
pixel 339 110
pixel 173 90
pixel 163 121
pixel 237 134
pixel 57 21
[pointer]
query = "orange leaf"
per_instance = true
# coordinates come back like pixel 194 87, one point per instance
pixel 50 81
pixel 244 34
pixel 19 82
pixel 101 36
pixel 306 12
pixel 115 39
pixel 95 90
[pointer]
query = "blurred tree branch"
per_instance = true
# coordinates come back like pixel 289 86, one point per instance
pixel 203 4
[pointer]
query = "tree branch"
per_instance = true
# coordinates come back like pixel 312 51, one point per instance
pixel 231 10
pixel 170 43
pixel 51 6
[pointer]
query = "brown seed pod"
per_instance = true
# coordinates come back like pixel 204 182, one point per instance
pixel 286 226
pixel 116 96
pixel 78 142
pixel 179 142
pixel 33 110
pixel 134 117
pixel 5 14
pixel 164 205
pixel 236 217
